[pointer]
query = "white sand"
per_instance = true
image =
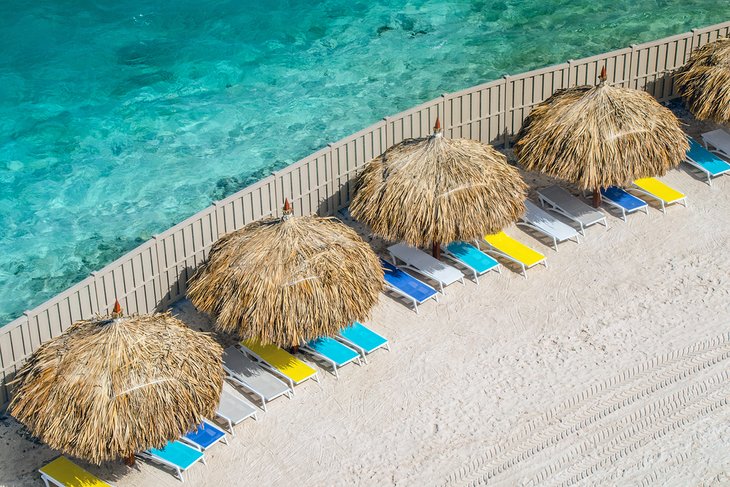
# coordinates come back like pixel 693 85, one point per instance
pixel 610 367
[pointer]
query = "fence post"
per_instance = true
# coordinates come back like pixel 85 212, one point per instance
pixel 633 67
pixel 507 123
pixel 333 202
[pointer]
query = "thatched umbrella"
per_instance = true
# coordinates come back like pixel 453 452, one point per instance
pixel 704 82
pixel 288 280
pixel 107 388
pixel 600 136
pixel 435 190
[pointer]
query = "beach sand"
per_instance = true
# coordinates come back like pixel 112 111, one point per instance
pixel 609 367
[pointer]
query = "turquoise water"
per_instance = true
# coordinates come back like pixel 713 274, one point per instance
pixel 119 119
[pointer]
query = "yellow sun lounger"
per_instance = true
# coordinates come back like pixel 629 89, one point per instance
pixel 660 191
pixel 65 473
pixel 505 246
pixel 280 362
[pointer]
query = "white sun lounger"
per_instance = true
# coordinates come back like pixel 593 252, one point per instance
pixel 717 141
pixel 420 262
pixel 542 221
pixel 564 203
pixel 245 372
pixel 233 407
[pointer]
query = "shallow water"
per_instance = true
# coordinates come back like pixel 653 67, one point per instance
pixel 117 121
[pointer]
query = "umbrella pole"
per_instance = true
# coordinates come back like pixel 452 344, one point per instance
pixel 129 460
pixel 596 197
pixel 436 250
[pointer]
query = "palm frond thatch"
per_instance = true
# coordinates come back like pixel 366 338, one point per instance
pixel 704 82
pixel 438 190
pixel 599 136
pixel 288 280
pixel 106 388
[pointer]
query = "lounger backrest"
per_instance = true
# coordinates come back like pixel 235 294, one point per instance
pixel 178 454
pixel 659 189
pixel 333 350
pixel 363 337
pixel 547 223
pixel 406 283
pixel 286 363
pixel 518 251
pixel 571 205
pixel 67 473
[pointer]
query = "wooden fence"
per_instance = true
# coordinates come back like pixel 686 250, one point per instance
pixel 155 274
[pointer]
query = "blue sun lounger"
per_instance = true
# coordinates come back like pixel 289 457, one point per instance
pixel 330 350
pixel 176 455
pixel 205 435
pixel 704 160
pixel 623 201
pixel 472 258
pixel 362 339
pixel 406 285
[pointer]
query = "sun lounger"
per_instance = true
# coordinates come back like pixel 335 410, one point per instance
pixel 362 339
pixel 505 246
pixel 720 140
pixel 472 258
pixel 233 407
pixel 542 221
pixel 564 203
pixel 659 191
pixel 280 362
pixel 205 435
pixel 420 262
pixel 331 351
pixel 704 160
pixel 623 201
pixel 407 286
pixel 65 473
pixel 176 455
pixel 243 371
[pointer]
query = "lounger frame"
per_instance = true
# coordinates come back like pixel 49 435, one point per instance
pixel 178 471
pixel 241 382
pixel 543 232
pixel 313 352
pixel 496 268
pixel 493 250
pixel 550 205
pixel 276 371
pixel 222 439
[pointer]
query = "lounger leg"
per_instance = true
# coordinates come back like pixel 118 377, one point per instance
pixel 255 416
pixel 415 306
pixel 337 375
pixel 524 271
pixel 45 480
pixel 179 474
pixel 230 427
pixel 555 243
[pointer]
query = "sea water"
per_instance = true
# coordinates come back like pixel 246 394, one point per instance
pixel 119 119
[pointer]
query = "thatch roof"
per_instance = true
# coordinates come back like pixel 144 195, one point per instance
pixel 108 388
pixel 438 190
pixel 599 136
pixel 704 82
pixel 288 280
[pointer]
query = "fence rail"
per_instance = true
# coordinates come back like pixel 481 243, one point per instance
pixel 155 274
